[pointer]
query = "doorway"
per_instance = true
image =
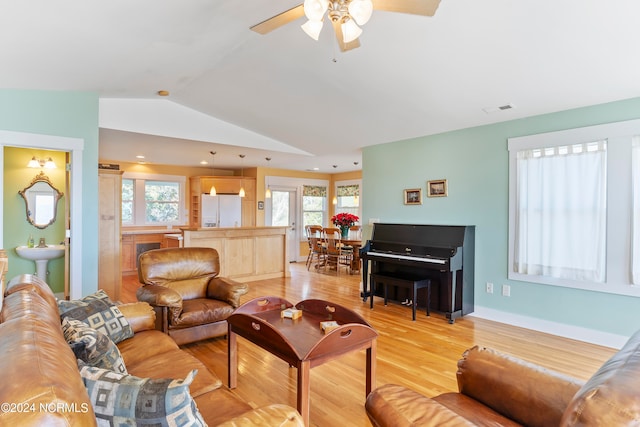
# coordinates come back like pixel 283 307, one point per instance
pixel 283 213
pixel 73 233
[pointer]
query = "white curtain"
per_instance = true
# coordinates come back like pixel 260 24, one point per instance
pixel 635 223
pixel 561 212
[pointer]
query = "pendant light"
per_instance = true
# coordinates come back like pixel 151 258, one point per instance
pixel 241 192
pixel 267 193
pixel 212 191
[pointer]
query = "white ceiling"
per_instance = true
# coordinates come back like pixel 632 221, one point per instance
pixel 304 103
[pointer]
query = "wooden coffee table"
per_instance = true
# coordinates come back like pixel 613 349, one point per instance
pixel 301 342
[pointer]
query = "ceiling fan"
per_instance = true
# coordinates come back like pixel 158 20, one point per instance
pixel 345 15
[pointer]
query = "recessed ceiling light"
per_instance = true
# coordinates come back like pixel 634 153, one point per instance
pixel 204 162
pixel 139 156
pixel 163 92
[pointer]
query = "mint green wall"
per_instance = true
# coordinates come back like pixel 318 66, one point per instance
pixel 16 228
pixel 475 163
pixel 68 114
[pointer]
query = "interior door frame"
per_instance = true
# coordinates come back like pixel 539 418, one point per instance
pixel 293 239
pixel 74 146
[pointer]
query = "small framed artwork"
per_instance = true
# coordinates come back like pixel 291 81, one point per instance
pixel 437 188
pixel 413 196
pixel 260 205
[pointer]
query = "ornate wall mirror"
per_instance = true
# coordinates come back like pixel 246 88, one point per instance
pixel 41 199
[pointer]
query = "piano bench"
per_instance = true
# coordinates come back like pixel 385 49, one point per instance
pixel 403 282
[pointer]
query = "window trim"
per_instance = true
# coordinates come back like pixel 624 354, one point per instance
pixel 357 182
pixel 619 136
pixel 139 203
pixel 324 211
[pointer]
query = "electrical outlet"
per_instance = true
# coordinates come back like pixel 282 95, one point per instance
pixel 489 287
pixel 506 290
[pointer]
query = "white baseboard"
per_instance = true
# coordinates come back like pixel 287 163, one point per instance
pixel 554 328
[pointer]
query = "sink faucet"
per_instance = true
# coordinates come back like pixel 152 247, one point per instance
pixel 42 244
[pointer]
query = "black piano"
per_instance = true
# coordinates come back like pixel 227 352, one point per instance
pixel 442 253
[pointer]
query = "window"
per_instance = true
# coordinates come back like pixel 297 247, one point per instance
pixel 162 201
pixel 635 224
pixel 560 216
pixel 152 199
pixel 127 201
pixel 314 205
pixel 574 208
pixel 348 197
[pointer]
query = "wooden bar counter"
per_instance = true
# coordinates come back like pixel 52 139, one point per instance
pixel 246 253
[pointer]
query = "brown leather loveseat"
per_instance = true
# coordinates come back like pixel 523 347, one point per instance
pixel 192 302
pixel 500 390
pixel 43 386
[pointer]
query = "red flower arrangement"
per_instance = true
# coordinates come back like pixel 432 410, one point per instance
pixel 344 219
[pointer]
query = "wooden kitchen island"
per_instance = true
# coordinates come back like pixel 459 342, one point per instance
pixel 246 253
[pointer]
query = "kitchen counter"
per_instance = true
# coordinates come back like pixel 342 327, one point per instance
pixel 246 253
pixel 139 230
pixel 136 240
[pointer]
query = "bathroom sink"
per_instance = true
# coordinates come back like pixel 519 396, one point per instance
pixel 41 256
pixel 35 254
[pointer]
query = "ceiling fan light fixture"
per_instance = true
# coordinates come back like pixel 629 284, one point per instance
pixel 312 28
pixel 350 31
pixel 361 10
pixel 315 9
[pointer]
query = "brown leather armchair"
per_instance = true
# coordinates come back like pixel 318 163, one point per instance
pixel 192 303
pixel 496 389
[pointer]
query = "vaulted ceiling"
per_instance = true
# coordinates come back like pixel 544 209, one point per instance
pixel 301 102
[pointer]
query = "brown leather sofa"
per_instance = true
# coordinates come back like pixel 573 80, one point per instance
pixel 192 302
pixel 499 390
pixel 42 386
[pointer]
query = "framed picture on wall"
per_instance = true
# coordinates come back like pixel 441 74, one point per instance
pixel 413 196
pixel 437 188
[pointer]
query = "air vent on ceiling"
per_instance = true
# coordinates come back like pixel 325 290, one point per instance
pixel 505 107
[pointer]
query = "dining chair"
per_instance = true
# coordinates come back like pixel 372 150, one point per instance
pixel 312 231
pixel 335 252
pixel 317 251
pixel 331 231
pixel 355 232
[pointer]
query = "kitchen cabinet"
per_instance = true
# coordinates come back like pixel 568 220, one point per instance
pixel 224 185
pixel 109 245
pixel 134 242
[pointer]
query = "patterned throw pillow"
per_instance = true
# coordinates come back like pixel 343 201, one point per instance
pixel 127 400
pixel 92 346
pixel 99 312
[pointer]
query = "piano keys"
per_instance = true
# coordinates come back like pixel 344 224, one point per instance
pixel 442 253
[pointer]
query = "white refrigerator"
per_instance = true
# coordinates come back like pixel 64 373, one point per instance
pixel 223 210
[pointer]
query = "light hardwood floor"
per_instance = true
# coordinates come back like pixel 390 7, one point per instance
pixel 421 355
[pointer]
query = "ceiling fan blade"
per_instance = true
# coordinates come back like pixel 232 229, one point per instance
pixel 344 47
pixel 279 20
pixel 414 7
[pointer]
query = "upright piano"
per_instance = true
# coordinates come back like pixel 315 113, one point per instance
pixel 442 253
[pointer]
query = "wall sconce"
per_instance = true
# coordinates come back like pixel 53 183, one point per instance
pixel 41 163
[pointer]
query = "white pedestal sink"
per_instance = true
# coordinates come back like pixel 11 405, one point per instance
pixel 41 256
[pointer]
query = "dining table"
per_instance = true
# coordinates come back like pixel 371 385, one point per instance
pixel 355 259
pixel 355 244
